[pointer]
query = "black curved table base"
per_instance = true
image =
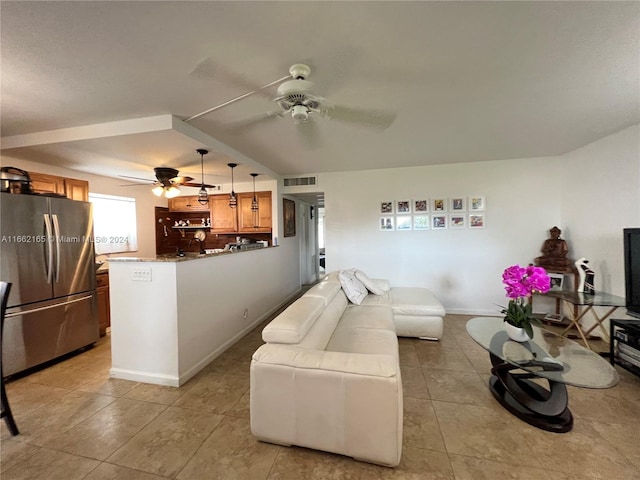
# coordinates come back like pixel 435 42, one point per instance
pixel 527 400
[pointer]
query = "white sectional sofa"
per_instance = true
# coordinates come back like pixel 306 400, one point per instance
pixel 328 377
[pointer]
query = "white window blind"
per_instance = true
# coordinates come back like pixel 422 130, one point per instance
pixel 114 223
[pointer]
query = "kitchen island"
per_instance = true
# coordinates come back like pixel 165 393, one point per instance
pixel 171 316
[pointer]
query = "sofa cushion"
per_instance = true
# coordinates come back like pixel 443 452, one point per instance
pixel 374 286
pixel 325 291
pixel 363 340
pixel 353 288
pixel 375 317
pixel 377 300
pixel 415 301
pixel 319 334
pixel 293 324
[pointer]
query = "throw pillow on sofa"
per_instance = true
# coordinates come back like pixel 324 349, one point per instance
pixel 376 287
pixel 353 288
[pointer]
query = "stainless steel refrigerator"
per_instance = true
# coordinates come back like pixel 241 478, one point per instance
pixel 46 252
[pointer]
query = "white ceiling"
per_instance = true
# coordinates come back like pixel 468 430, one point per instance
pixel 467 81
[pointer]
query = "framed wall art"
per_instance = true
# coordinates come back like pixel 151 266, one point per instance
pixel 438 222
pixel 386 224
pixel 438 205
pixel 477 203
pixel 403 223
pixel 420 206
pixel 386 208
pixel 403 206
pixel 458 204
pixel 289 214
pixel 476 220
pixel 557 281
pixel 421 222
pixel 457 220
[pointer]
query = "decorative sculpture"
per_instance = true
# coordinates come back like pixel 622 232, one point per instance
pixel 554 253
pixel 587 277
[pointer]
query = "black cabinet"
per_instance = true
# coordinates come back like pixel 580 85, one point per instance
pixel 624 348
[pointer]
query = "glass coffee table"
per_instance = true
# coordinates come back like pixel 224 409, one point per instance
pixel 546 356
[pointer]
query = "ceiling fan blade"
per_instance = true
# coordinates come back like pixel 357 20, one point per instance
pixel 377 119
pixel 252 122
pixel 197 185
pixel 207 69
pixel 308 131
pixel 138 178
pixel 180 180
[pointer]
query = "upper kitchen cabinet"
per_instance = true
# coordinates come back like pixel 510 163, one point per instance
pixel 247 221
pixel 187 204
pixel 223 217
pixel 70 187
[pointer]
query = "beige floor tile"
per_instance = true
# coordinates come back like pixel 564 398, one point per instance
pixel 444 358
pixel 413 383
pixel 107 471
pixel 25 397
pixel 44 424
pixel 489 434
pixel 107 430
pixel 619 436
pixel 421 428
pixel 14 453
pixel 470 468
pixel 242 408
pixel 214 392
pixel 165 445
pixel 603 405
pixel 157 393
pixel 114 387
pixel 408 355
pixel 231 364
pixel 479 359
pixel 50 465
pixel 458 387
pixel 231 452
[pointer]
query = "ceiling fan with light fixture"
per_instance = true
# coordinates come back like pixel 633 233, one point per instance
pixel 168 181
pixel 296 97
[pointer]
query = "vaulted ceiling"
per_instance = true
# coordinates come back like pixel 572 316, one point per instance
pixel 465 81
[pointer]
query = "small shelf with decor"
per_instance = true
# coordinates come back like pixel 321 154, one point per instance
pixel 191 227
pixel 624 347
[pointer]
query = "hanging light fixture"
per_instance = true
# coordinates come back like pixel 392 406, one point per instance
pixel 203 196
pixel 233 199
pixel 254 202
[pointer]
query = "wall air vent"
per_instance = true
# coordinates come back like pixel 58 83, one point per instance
pixel 300 181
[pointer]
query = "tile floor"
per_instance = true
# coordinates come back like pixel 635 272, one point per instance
pixel 76 423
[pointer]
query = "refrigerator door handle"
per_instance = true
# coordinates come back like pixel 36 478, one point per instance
pixel 47 226
pixel 56 229
pixel 39 309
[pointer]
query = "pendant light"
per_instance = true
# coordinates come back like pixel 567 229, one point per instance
pixel 203 196
pixel 233 199
pixel 254 202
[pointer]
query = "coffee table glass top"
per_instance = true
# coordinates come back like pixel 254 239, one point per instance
pixel 546 355
pixel 599 299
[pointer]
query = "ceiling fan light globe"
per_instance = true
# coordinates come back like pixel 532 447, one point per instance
pixel 172 192
pixel 158 190
pixel 300 113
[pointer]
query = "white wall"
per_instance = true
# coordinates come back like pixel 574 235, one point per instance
pixel 145 200
pixel 462 267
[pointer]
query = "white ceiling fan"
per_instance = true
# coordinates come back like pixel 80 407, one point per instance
pixel 296 97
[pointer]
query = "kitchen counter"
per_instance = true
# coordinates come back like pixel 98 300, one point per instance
pixel 172 257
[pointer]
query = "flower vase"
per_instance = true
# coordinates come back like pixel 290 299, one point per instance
pixel 516 334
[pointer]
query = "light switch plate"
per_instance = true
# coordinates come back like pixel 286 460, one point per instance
pixel 141 274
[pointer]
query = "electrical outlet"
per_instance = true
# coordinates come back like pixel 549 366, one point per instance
pixel 245 314
pixel 141 274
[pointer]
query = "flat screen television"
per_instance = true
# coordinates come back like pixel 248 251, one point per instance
pixel 632 270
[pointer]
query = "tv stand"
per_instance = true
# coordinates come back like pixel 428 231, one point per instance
pixel 624 344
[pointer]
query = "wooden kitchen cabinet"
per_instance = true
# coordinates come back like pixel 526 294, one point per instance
pixel 104 308
pixel 246 221
pixel 188 203
pixel 70 187
pixel 223 218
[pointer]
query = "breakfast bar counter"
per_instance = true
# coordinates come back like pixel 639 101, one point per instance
pixel 171 316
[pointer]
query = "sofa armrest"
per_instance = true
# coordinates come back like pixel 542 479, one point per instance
pixel 377 365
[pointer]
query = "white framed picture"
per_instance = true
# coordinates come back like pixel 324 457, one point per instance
pixel 438 222
pixel 386 208
pixel 421 222
pixel 420 206
pixel 557 281
pixel 457 220
pixel 386 224
pixel 476 220
pixel 403 206
pixel 438 205
pixel 477 203
pixel 458 204
pixel 403 223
